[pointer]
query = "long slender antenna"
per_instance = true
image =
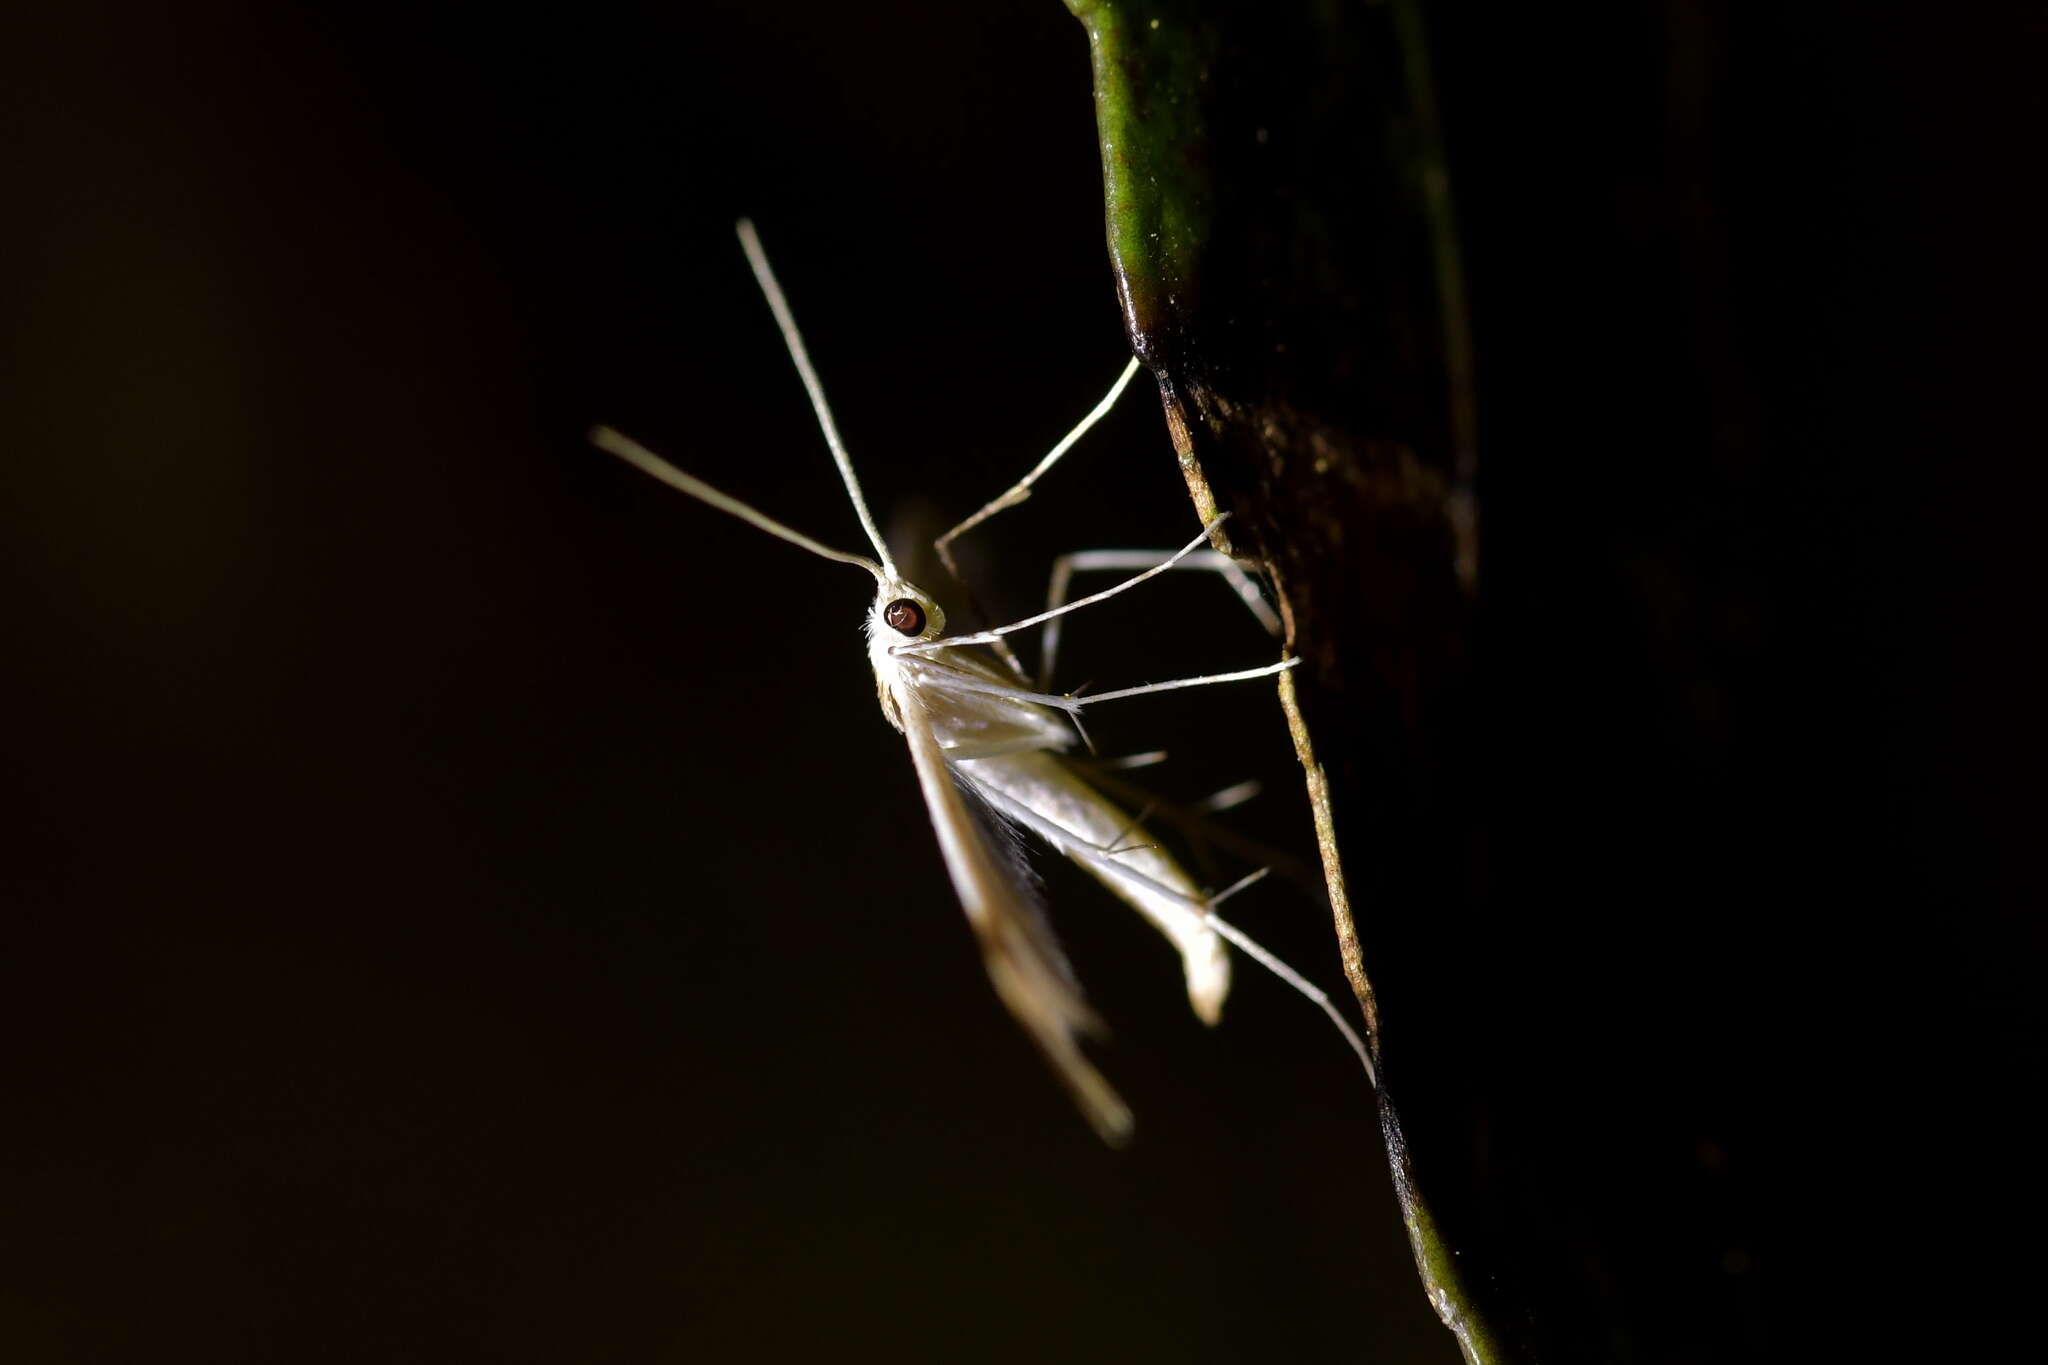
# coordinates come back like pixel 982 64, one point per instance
pixel 750 242
pixel 640 457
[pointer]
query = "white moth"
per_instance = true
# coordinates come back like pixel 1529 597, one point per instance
pixel 980 734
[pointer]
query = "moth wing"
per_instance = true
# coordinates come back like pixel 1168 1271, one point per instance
pixel 1039 792
pixel 1016 948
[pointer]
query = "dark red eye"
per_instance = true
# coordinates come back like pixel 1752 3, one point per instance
pixel 905 615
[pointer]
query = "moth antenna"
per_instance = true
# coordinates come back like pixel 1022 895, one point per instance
pixel 750 242
pixel 640 457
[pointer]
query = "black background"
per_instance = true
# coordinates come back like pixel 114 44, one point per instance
pixel 462 904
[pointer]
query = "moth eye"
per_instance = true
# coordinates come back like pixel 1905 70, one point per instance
pixel 905 615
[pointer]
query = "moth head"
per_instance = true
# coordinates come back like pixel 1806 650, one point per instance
pixel 903 613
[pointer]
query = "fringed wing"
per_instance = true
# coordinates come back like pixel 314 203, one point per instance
pixel 1023 963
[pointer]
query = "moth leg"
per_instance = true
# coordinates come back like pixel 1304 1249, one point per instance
pixel 1124 561
pixel 936 675
pixel 945 642
pixel 1194 823
pixel 1084 851
pixel 1020 490
pixel 1175 684
pixel 1073 705
pixel 1039 796
pixel 1258 953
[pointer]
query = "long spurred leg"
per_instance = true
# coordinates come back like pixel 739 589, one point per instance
pixel 1017 493
pixel 937 675
pixel 995 634
pixel 1074 846
pixel 1094 561
pixel 930 648
pixel 1175 684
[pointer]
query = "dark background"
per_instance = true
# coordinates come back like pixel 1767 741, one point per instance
pixel 462 904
